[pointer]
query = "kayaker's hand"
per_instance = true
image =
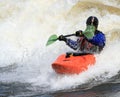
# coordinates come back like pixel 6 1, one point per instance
pixel 61 38
pixel 79 33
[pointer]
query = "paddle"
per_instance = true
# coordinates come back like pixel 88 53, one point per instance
pixel 54 38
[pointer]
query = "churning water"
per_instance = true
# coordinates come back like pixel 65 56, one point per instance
pixel 25 61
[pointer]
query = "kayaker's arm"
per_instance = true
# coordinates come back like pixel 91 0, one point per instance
pixel 98 40
pixel 71 43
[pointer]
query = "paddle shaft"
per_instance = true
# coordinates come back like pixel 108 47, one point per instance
pixel 69 35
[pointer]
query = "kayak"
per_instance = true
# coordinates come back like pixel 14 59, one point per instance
pixel 73 64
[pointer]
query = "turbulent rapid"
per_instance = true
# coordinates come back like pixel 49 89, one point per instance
pixel 25 26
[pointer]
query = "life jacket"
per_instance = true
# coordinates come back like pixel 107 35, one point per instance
pixel 86 46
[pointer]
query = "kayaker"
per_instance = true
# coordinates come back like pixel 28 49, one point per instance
pixel 90 41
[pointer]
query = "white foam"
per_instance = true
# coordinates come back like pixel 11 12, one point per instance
pixel 24 35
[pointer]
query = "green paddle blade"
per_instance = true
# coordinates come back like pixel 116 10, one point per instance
pixel 51 39
pixel 89 31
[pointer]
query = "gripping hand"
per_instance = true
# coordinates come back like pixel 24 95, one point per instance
pixel 61 38
pixel 79 33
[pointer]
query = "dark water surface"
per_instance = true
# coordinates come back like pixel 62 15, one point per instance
pixel 24 90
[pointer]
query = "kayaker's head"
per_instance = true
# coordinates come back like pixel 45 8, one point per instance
pixel 92 24
pixel 92 20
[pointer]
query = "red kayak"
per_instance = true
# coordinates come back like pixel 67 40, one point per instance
pixel 73 64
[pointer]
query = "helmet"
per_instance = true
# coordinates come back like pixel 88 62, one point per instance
pixel 92 20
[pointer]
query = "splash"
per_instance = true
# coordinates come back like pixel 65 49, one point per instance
pixel 26 25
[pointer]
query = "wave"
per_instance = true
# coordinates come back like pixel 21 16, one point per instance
pixel 102 9
pixel 26 25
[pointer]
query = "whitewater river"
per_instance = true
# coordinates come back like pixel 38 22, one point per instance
pixel 25 61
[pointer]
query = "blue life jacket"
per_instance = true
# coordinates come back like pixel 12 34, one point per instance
pixel 98 39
